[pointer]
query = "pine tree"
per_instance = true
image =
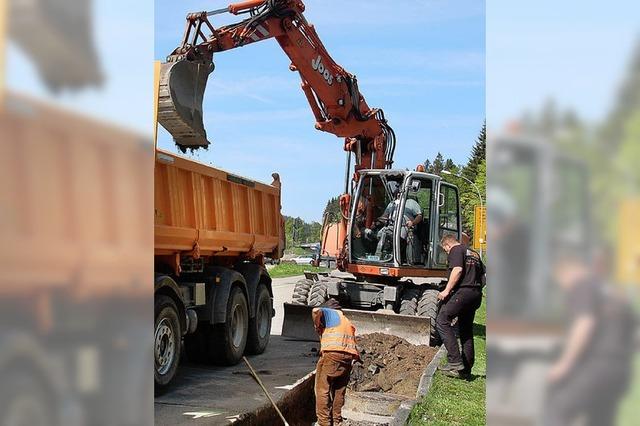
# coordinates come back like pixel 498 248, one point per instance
pixel 626 104
pixel 478 155
pixel 333 209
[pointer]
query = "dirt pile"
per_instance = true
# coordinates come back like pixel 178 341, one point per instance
pixel 390 364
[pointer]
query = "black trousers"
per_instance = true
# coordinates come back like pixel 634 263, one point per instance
pixel 462 304
pixel 591 391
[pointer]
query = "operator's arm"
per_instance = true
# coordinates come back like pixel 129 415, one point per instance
pixel 318 320
pixel 454 277
pixel 456 263
pixel 577 341
pixel 414 208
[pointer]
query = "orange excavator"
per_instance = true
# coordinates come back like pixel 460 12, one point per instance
pixel 391 220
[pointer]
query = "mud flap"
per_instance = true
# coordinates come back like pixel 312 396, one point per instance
pixel 298 324
pixel 182 87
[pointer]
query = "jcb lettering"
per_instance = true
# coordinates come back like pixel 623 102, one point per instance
pixel 317 65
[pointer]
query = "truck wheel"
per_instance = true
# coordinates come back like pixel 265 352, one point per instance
pixel 409 301
pixel 318 293
pixel 301 291
pixel 167 340
pixel 428 307
pixel 260 325
pixel 227 341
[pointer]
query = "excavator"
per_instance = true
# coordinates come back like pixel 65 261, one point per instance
pixel 390 262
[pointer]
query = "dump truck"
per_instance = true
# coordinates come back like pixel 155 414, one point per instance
pixel 212 231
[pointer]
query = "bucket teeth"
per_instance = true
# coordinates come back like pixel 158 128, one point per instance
pixel 182 86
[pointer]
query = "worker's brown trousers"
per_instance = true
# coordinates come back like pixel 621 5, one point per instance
pixel 332 377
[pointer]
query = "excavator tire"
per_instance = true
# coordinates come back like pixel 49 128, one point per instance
pixel 318 293
pixel 301 291
pixel 428 307
pixel 409 301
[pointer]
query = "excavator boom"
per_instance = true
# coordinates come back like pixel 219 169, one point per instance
pixel 337 104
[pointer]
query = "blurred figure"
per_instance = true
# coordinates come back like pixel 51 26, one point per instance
pixel 595 366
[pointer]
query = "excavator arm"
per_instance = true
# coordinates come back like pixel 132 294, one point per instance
pixel 333 95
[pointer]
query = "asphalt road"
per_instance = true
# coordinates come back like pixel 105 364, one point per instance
pixel 282 291
pixel 213 395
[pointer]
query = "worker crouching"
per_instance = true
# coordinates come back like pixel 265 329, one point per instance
pixel 337 353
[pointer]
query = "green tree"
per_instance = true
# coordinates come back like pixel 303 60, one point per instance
pixel 333 209
pixel 478 154
pixel 438 164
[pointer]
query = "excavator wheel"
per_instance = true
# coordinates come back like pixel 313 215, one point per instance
pixel 182 86
pixel 301 291
pixel 428 307
pixel 409 301
pixel 318 294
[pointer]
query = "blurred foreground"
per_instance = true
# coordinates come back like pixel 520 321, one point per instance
pixel 75 212
pixel 564 244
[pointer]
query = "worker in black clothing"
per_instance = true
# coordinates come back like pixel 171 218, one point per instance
pixel 460 299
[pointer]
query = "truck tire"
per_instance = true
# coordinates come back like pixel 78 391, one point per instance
pixel 318 293
pixel 409 301
pixel 227 341
pixel 260 324
pixel 428 307
pixel 301 292
pixel 167 341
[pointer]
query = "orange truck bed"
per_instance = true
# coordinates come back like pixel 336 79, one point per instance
pixel 201 211
pixel 75 202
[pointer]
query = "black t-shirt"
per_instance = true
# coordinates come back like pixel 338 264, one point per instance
pixel 457 257
pixel 614 322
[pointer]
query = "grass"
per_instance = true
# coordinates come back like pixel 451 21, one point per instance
pixel 453 401
pixel 628 410
pixel 291 269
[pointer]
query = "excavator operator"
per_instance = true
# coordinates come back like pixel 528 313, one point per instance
pixel 411 217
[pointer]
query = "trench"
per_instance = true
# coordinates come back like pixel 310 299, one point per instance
pixel 388 404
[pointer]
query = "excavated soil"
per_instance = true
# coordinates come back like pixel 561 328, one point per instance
pixel 390 364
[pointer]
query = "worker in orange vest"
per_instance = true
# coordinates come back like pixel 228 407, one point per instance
pixel 337 353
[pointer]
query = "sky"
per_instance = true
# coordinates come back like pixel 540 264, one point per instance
pixel 123 42
pixel 422 62
pixel 575 55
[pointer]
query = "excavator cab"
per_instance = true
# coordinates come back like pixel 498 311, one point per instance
pixel 394 256
pixel 398 221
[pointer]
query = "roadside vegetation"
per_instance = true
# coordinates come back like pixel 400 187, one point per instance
pixel 291 269
pixel 453 401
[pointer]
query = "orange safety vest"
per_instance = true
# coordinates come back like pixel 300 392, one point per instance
pixel 339 334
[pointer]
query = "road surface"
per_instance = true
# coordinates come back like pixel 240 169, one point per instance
pixel 212 395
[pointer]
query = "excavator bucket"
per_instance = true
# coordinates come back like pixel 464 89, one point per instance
pixel 182 86
pixel 298 324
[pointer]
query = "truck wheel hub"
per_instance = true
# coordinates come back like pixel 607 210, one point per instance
pixel 164 346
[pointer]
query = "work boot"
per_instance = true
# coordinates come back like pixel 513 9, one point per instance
pixel 451 367
pixel 457 374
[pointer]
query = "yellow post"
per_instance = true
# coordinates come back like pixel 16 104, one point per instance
pixel 480 228
pixel 628 250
